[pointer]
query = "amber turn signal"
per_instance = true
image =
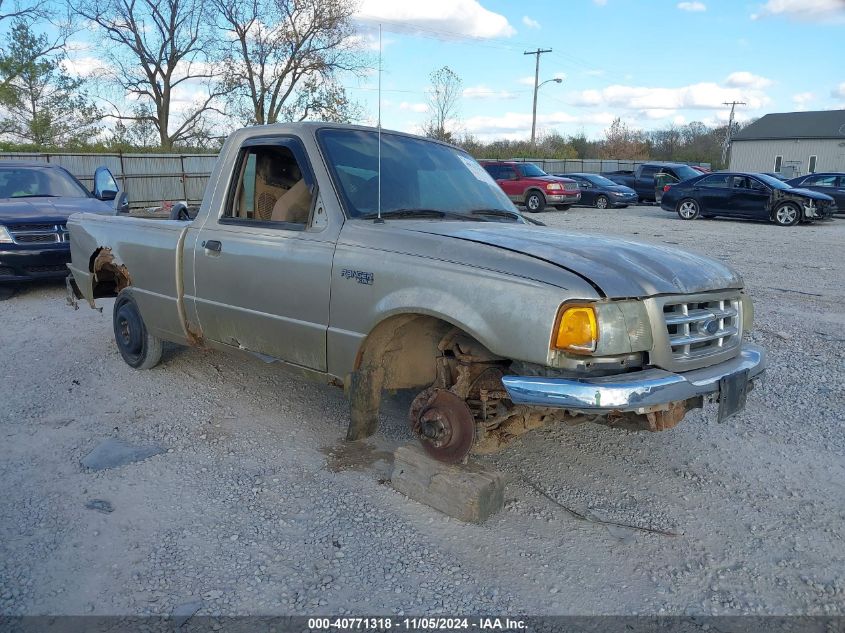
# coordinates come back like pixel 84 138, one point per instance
pixel 577 329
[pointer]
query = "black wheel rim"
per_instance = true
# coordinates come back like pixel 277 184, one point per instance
pixel 129 332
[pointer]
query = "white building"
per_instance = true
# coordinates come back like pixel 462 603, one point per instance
pixel 792 143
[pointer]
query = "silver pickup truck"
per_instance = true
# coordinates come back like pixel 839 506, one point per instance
pixel 379 260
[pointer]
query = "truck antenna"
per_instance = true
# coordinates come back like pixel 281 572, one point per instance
pixel 378 174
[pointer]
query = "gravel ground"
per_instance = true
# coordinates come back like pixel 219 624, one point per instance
pixel 257 507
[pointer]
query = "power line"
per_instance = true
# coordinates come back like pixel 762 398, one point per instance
pixel 729 132
pixel 537 53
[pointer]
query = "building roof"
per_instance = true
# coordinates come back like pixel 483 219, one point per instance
pixel 827 124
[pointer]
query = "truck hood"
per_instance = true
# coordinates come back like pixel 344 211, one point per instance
pixel 33 210
pixel 619 268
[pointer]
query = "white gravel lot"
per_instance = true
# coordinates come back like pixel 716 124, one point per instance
pixel 256 507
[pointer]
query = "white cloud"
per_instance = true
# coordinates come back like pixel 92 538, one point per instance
pixel 695 7
pixel 516 125
pixel 531 23
pixel 84 66
pixel 696 96
pixel 485 92
pixel 839 91
pixel 413 107
pixel 802 99
pixel 745 79
pixel 450 17
pixel 826 11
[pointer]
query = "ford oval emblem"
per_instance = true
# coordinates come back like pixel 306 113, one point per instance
pixel 711 326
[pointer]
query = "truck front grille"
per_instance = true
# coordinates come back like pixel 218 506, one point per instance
pixel 701 328
pixel 39 233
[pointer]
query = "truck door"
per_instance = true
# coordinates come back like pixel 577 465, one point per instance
pixel 262 269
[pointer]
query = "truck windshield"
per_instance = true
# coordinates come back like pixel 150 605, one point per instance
pixel 530 170
pixel 685 173
pixel 415 174
pixel 37 182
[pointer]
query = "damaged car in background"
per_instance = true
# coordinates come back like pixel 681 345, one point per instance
pixel 751 196
pixel 379 260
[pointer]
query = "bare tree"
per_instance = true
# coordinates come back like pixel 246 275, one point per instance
pixel 157 48
pixel 444 95
pixel 284 58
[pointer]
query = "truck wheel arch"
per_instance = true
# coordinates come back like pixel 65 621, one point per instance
pixel 400 352
pixel 109 275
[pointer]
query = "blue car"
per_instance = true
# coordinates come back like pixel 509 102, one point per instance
pixel 36 200
pixel 602 193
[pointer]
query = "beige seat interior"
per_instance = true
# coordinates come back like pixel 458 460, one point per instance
pixel 281 193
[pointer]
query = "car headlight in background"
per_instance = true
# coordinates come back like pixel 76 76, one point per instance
pixel 554 186
pixel 602 328
pixel 5 238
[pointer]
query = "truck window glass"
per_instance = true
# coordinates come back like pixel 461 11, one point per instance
pixel 271 188
pixel 415 174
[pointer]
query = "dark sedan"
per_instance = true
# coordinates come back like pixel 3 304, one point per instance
pixel 741 195
pixel 830 183
pixel 36 200
pixel 602 193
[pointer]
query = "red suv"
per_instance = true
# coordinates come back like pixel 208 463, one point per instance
pixel 527 184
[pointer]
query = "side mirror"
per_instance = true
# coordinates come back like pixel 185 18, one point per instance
pixel 105 186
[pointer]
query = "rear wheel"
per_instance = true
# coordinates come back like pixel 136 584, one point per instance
pixel 535 201
pixel 787 214
pixel 688 209
pixel 602 202
pixel 139 348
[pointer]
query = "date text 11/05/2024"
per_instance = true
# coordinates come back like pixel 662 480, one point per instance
pixel 416 624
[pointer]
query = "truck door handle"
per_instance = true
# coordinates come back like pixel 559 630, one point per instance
pixel 212 245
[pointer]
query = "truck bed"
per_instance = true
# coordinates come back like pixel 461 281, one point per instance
pixel 146 251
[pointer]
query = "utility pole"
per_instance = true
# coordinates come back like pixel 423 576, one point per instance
pixel 730 131
pixel 538 52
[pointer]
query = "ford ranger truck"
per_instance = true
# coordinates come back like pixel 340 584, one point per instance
pixel 388 261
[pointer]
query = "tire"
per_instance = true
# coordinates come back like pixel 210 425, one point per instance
pixel 139 348
pixel 535 202
pixel 602 202
pixel 688 209
pixel 563 207
pixel 787 214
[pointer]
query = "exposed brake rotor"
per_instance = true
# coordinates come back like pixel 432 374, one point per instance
pixel 444 425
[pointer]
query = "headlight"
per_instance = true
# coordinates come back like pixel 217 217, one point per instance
pixel 5 238
pixel 602 329
pixel 747 312
pixel 577 329
pixel 554 186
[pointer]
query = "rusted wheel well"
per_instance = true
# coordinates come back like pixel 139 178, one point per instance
pixel 405 349
pixel 109 276
pixel 401 352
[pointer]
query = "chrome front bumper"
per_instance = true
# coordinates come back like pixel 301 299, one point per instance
pixel 634 391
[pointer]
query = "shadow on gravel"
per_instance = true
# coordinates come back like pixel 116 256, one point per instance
pixel 8 291
pixel 358 456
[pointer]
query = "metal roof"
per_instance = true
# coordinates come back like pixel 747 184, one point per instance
pixel 826 124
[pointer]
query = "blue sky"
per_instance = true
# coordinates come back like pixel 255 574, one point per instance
pixel 651 62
